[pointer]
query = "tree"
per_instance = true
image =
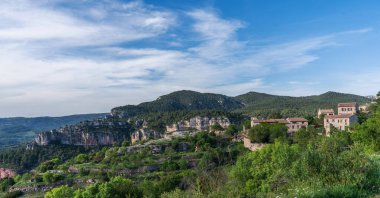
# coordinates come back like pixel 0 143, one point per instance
pixel 81 158
pixel 259 133
pixel 60 192
pixel 231 130
pixel 304 136
pixel 216 127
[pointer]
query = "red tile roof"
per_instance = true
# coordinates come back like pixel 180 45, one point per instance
pixel 270 121
pixel 326 110
pixel 297 120
pixel 348 104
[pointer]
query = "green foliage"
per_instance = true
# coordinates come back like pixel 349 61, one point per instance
pixel 181 100
pixel 81 158
pixel 6 183
pixel 325 167
pixel 231 130
pixel 368 133
pixel 60 192
pixel 217 127
pixel 265 105
pixel 267 133
pixel 50 177
pixel 13 194
pixel 118 187
pixel 19 158
pixel 304 136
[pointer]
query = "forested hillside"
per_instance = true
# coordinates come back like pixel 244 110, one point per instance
pixel 181 100
pixel 265 105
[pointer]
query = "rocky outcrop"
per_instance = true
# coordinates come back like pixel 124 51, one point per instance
pixel 198 123
pixel 6 173
pixel 144 134
pixel 76 138
pixel 100 132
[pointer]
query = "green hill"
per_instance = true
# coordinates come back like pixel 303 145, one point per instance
pixel 252 103
pixel 181 100
pixel 261 104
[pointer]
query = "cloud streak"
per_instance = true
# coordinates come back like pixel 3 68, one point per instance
pixel 86 57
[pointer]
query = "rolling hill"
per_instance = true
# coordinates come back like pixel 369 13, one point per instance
pixel 261 104
pixel 252 103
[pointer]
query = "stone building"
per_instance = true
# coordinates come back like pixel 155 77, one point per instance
pixel 347 108
pixel 341 122
pixel 325 112
pixel 294 124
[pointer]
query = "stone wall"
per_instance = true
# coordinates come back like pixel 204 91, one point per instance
pixel 252 146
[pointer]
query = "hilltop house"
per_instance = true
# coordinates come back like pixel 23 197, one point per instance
pixel 326 112
pixel 293 124
pixel 347 108
pixel 346 117
pixel 341 122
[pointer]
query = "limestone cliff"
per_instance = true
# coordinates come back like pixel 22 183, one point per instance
pixel 198 123
pixel 89 133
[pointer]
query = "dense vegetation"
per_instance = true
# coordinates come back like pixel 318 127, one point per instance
pixel 21 159
pixel 182 163
pixel 181 100
pixel 271 106
pixel 252 103
pixel 18 130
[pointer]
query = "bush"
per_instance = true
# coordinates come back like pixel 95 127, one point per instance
pixel 6 183
pixel 60 192
pixel 13 194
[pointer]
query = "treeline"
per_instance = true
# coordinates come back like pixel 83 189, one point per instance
pixel 22 159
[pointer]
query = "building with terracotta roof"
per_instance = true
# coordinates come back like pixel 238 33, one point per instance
pixel 340 122
pixel 347 108
pixel 325 112
pixel 294 124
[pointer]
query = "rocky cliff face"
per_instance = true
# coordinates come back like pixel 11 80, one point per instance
pixel 99 132
pixel 198 123
pixel 5 173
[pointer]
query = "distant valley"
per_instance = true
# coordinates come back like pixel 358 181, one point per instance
pixel 17 130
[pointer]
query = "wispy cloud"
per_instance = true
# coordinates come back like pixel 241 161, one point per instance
pixel 86 57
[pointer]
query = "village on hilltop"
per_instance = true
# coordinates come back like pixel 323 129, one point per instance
pixel 343 119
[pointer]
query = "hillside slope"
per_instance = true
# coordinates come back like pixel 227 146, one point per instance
pixel 181 100
pixel 261 104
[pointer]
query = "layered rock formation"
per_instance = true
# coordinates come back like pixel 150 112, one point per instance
pixel 143 135
pixel 6 173
pixel 198 123
pixel 99 132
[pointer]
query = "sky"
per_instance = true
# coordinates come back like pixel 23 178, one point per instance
pixel 62 57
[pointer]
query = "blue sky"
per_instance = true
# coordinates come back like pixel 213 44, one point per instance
pixel 66 57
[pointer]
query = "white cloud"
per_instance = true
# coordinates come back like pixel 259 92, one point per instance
pixel 60 60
